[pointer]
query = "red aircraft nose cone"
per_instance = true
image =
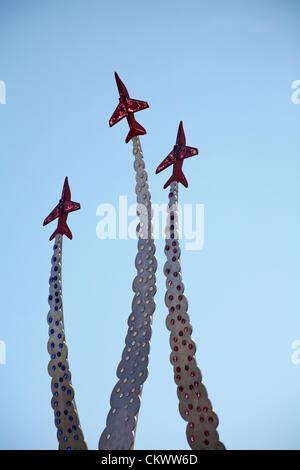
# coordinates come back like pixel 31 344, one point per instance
pixel 121 87
pixel 180 135
pixel 66 192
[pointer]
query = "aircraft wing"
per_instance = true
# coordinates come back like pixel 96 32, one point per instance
pixel 119 113
pixel 71 206
pixel 53 215
pixel 134 106
pixel 169 160
pixel 186 152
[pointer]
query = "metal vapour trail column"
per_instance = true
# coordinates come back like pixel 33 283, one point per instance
pixel 69 433
pixel 132 371
pixel 194 405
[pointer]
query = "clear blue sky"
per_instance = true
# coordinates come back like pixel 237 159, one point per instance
pixel 225 69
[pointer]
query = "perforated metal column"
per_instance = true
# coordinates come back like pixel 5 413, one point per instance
pixel 194 405
pixel 132 371
pixel 69 433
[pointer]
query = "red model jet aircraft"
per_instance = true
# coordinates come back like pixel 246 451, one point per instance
pixel 61 211
pixel 126 108
pixel 176 157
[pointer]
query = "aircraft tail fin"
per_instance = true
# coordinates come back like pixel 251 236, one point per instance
pixel 180 178
pixel 62 229
pixel 135 130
